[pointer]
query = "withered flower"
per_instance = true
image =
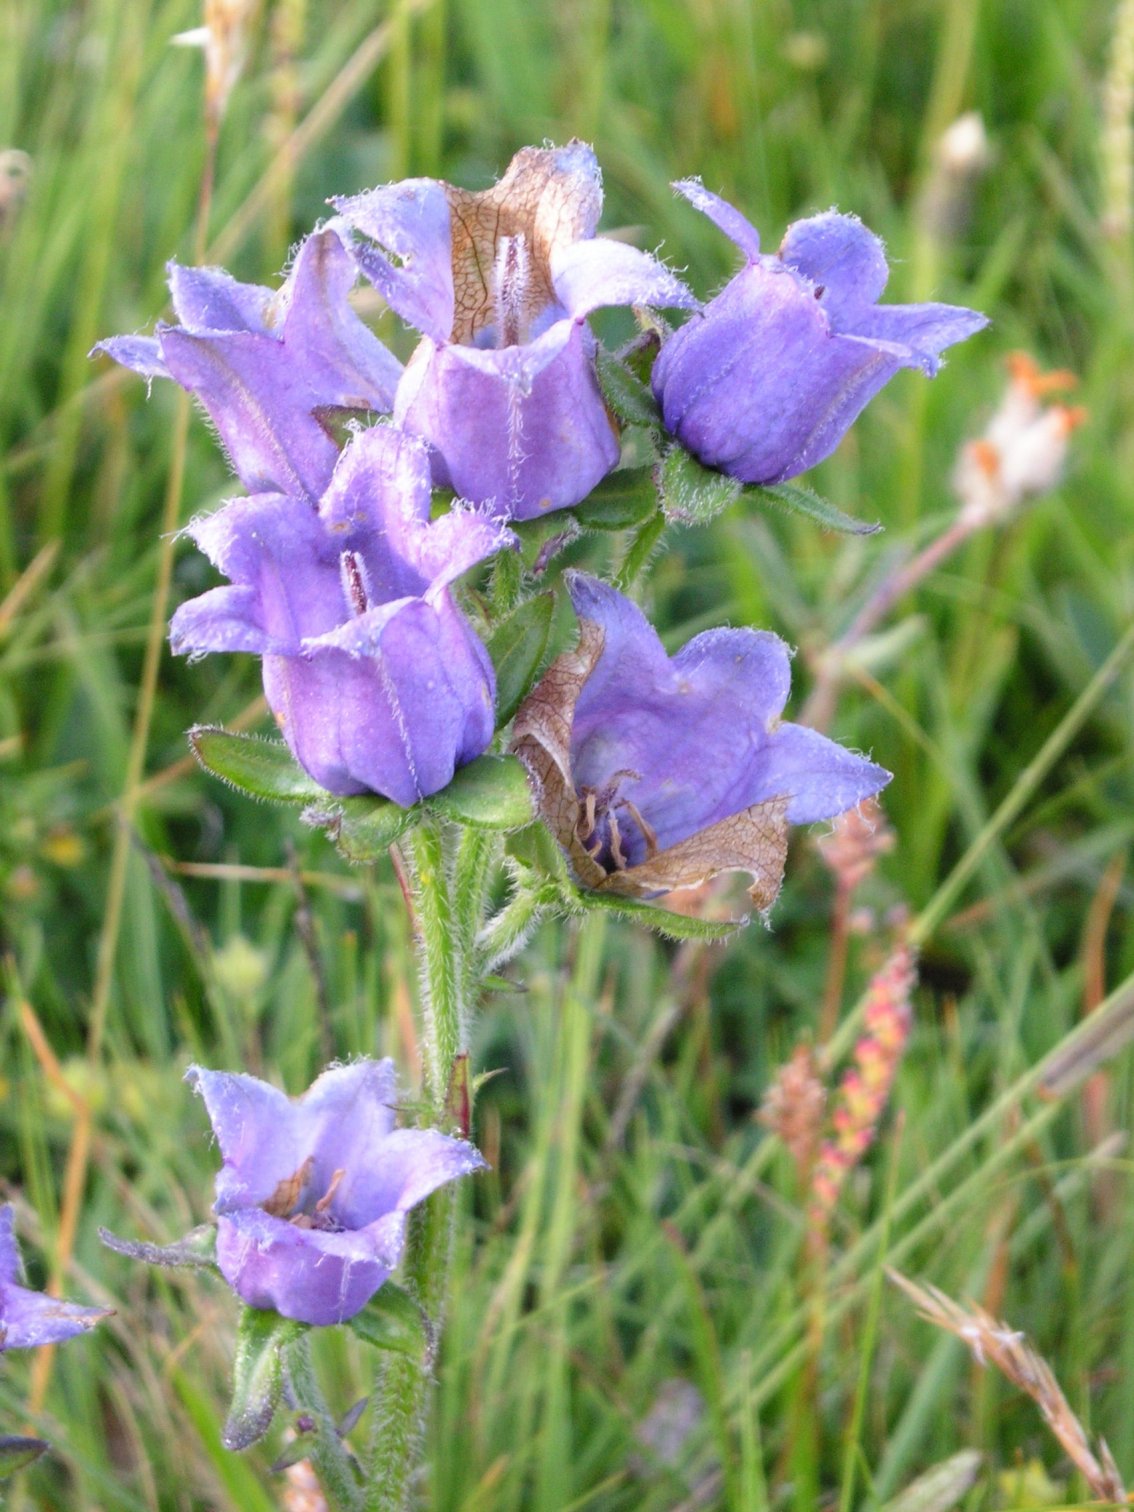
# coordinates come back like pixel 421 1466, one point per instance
pixel 499 283
pixel 655 773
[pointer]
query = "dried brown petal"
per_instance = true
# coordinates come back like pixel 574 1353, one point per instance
pixel 753 840
pixel 548 204
pixel 283 1201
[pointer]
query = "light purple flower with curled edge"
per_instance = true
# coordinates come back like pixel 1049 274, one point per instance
pixel 765 381
pixel 657 773
pixel 311 1200
pixel 500 283
pixel 271 367
pixel 30 1318
pixel 377 681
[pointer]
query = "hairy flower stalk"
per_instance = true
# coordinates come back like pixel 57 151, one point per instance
pixel 402 1389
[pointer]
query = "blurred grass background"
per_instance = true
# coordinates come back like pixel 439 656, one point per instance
pixel 639 1228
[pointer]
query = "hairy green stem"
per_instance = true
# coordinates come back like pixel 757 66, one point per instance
pixel 507 931
pixel 401 1393
pixel 639 551
pixel 329 1455
pixel 441 957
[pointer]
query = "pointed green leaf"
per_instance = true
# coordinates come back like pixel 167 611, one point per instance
pixel 517 647
pixel 663 921
pixel 392 1320
pixel 16 1452
pixel 625 393
pixel 362 828
pixel 260 768
pixel 492 792
pixel 622 500
pixel 804 501
pixel 257 1375
pixel 690 493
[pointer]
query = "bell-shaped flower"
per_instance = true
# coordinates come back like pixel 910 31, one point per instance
pixel 376 679
pixel 657 773
pixel 500 283
pixel 765 381
pixel 30 1318
pixel 312 1197
pixel 271 368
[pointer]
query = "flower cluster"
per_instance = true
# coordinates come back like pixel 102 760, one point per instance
pixel 340 577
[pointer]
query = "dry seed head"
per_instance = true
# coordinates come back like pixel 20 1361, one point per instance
pixel 994 1343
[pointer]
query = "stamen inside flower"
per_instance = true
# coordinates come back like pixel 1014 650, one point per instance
pixel 291 1200
pixel 510 291
pixel 354 582
pixel 599 830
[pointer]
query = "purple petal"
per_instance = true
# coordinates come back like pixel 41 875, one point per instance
pixel 409 220
pixel 524 427
pixel 11 1266
pixel 458 541
pixel 820 777
pixel 346 1115
pixel 691 728
pixel 30 1318
pixel 838 254
pixel 209 299
pixel 347 364
pixel 396 721
pixel 379 498
pixel 259 1130
pixel 141 354
pixel 925 329
pixel 278 548
pixel 403 1171
pixel 311 1275
pixel 223 619
pixel 590 274
pixel 724 216
pixel 758 385
pixel 261 408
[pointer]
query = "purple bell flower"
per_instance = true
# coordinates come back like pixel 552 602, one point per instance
pixel 376 679
pixel 30 1318
pixel 313 1194
pixel 656 773
pixel 766 380
pixel 500 283
pixel 265 363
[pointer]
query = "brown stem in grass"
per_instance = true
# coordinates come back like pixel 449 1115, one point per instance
pixel 819 709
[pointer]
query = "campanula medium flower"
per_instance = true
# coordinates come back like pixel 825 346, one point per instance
pixel 312 1197
pixel 268 365
pixel 500 283
pixel 765 381
pixel 657 772
pixel 30 1318
pixel 376 679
